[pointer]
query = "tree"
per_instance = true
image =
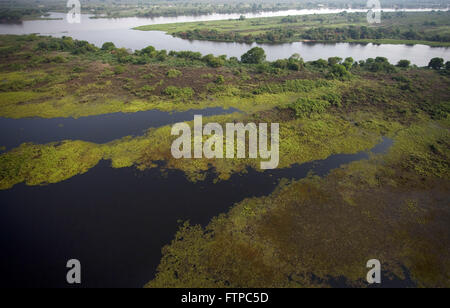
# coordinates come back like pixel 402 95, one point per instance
pixel 295 62
pixel 348 63
pixel 436 63
pixel 256 55
pixel 447 65
pixel 381 60
pixel 149 50
pixel 334 60
pixel 213 61
pixel 338 71
pixel 108 46
pixel 321 63
pixel 404 63
pixel 296 56
pixel 123 55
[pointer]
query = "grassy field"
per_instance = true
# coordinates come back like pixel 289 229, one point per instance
pixel 431 28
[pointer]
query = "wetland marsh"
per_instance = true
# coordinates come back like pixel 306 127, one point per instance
pixel 86 169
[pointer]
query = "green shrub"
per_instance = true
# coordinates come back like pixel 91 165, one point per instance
pixel 108 46
pixel 119 69
pixel 179 93
pixel 334 60
pixel 148 76
pixel 255 55
pixel 233 60
pixel 281 63
pixel 215 88
pixel 123 56
pixel 58 59
pixel 348 63
pixel 161 55
pixel 338 71
pixel 141 59
pixel 333 98
pixel 264 68
pixel 106 73
pixel 296 85
pixel 173 73
pixel 150 51
pixel 14 85
pixel 379 64
pixel 145 91
pixel 77 69
pixel 306 107
pixel 405 83
pixel 220 79
pixel 404 63
pixel 436 63
pixel 186 55
pixel 207 76
pixel 212 61
pixel 294 65
pixel 321 63
pixel 8 50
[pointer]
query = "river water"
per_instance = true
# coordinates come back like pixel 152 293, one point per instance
pixel 119 31
pixel 98 129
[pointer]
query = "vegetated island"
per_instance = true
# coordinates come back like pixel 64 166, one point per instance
pixel 429 28
pixel 318 231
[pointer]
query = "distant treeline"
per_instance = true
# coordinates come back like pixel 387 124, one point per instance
pixel 317 34
pixel 155 8
pixel 16 15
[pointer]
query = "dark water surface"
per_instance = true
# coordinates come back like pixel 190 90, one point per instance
pixel 115 221
pixel 98 129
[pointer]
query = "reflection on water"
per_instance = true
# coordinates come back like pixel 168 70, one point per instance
pixel 119 31
pixel 115 221
pixel 98 129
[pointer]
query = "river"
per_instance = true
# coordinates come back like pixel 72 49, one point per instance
pixel 120 32
pixel 98 129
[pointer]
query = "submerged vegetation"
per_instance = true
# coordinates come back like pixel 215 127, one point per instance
pixel 319 231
